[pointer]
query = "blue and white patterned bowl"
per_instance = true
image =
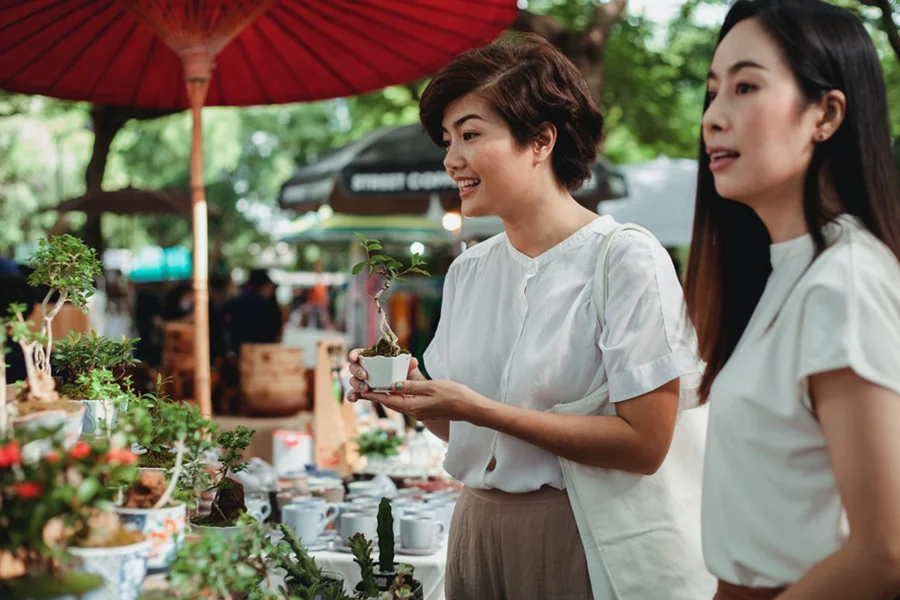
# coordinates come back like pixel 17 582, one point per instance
pixel 164 527
pixel 99 415
pixel 122 568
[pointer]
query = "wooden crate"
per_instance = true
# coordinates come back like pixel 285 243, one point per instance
pixel 273 379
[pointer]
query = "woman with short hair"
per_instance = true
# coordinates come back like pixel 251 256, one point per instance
pixel 519 336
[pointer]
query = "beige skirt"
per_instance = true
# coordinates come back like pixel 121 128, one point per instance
pixel 515 547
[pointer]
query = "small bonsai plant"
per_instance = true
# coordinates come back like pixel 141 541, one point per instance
pixel 51 502
pixel 81 354
pixel 228 503
pixel 67 268
pixel 384 373
pixel 177 424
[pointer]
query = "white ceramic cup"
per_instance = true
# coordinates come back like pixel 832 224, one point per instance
pixel 352 523
pixel 308 522
pixel 309 501
pixel 259 508
pixel 419 533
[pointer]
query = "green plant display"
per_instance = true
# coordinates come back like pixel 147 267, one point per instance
pixel 390 270
pixel 378 442
pixel 80 354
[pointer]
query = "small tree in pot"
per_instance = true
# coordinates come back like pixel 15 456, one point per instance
pixel 386 362
pixel 228 502
pixel 80 354
pixel 66 268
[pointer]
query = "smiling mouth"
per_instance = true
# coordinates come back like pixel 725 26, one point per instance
pixel 467 186
pixel 720 160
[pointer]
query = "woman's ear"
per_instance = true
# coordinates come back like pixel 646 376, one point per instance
pixel 833 110
pixel 544 142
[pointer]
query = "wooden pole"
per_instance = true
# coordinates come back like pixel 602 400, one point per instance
pixel 198 68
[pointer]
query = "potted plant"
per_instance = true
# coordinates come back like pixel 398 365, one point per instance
pixel 376 445
pixel 401 586
pixel 156 504
pixel 228 500
pixel 53 519
pixel 90 365
pixel 386 362
pixel 304 577
pixel 67 268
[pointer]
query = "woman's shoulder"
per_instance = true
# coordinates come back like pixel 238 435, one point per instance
pixel 477 253
pixel 855 259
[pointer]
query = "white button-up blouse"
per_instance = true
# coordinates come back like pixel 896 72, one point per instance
pixel 523 331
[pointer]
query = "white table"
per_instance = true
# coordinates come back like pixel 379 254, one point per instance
pixel 430 570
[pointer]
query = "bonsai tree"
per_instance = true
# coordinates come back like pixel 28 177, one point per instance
pixel 52 501
pixel 66 268
pixel 81 354
pixel 176 425
pixel 390 270
pixel 228 503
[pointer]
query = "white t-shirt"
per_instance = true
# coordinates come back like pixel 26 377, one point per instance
pixel 523 331
pixel 771 508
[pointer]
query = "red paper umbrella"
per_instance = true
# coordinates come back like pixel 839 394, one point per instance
pixel 138 53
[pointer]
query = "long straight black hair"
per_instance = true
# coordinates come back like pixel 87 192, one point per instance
pixel 827 48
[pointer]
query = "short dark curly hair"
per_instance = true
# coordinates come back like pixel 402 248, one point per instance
pixel 528 83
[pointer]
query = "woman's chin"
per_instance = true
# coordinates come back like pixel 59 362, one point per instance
pixel 472 208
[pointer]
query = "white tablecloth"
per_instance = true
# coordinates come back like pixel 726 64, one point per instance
pixel 430 570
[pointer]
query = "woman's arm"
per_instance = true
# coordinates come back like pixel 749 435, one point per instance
pixel 636 439
pixel 861 422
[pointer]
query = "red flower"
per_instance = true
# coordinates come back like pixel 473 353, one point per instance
pixel 10 455
pixel 52 457
pixel 120 455
pixel 80 450
pixel 28 490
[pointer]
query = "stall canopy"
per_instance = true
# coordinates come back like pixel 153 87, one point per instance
pixel 342 229
pixel 396 170
pixel 660 197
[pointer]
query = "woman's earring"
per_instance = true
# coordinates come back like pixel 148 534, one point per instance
pixel 820 136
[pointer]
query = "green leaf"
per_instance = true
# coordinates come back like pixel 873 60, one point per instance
pixel 88 489
pixel 375 246
pixel 358 268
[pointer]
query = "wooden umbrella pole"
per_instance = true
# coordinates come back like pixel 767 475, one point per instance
pixel 198 67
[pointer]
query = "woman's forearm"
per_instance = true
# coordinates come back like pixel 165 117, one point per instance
pixel 602 441
pixel 858 573
pixel 439 427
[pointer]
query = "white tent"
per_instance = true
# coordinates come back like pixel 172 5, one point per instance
pixel 660 197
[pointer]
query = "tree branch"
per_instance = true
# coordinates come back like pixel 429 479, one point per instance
pixel 544 26
pixel 607 15
pixel 887 20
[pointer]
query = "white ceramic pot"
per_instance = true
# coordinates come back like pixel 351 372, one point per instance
pixel 164 527
pixel 385 371
pixel 99 415
pixel 122 568
pixel 227 532
pixel 71 428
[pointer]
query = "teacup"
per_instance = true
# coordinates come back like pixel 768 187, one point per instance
pixel 419 533
pixel 308 522
pixel 259 508
pixel 352 523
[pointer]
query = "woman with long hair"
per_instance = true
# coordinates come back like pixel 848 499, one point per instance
pixel 794 288
pixel 519 337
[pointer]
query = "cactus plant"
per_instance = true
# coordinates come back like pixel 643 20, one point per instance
pixel 385 537
pixel 362 556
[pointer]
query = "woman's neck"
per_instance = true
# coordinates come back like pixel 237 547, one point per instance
pixel 545 223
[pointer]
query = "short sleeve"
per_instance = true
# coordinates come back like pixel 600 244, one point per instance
pixel 647 340
pixel 852 319
pixel 438 352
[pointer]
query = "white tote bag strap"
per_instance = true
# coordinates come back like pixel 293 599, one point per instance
pixel 601 271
